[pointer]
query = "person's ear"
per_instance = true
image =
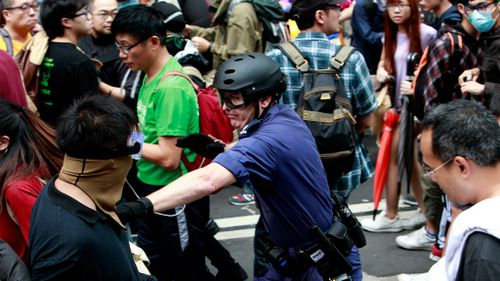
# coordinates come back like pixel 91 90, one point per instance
pixel 66 22
pixel 155 41
pixel 462 164
pixel 4 143
pixel 319 16
pixel 461 9
pixel 5 14
pixel 265 102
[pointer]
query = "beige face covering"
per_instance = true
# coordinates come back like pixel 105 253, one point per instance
pixel 101 180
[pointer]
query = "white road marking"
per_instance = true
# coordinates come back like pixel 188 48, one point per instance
pixel 247 223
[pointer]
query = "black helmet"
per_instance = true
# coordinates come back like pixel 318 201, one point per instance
pixel 254 75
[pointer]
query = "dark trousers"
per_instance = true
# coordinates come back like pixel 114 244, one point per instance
pixel 175 245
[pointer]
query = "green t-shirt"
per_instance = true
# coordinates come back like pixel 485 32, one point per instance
pixel 166 108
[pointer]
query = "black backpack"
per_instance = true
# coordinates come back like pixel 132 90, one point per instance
pixel 326 110
pixel 272 17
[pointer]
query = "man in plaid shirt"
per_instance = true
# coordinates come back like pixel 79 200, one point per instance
pixel 438 82
pixel 317 20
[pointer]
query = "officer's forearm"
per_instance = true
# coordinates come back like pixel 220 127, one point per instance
pixel 191 186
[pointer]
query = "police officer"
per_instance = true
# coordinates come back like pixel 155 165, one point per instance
pixel 277 153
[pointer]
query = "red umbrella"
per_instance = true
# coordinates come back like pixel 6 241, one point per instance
pixel 391 119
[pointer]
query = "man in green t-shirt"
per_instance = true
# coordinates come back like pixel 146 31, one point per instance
pixel 167 109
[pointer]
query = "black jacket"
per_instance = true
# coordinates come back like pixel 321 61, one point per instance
pixel 490 67
pixel 11 266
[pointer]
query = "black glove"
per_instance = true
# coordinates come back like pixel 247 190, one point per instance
pixel 130 211
pixel 202 145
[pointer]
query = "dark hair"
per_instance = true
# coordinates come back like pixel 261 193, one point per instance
pixel 464 128
pixel 52 11
pixel 139 21
pixel 391 32
pixel 32 147
pixel 303 11
pixel 463 2
pixel 305 21
pixel 95 123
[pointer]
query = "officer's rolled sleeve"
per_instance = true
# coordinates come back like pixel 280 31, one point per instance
pixel 232 162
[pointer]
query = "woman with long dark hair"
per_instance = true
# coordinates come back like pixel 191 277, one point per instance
pixel 28 157
pixel 403 34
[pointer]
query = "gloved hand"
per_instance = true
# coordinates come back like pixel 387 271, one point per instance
pixel 202 145
pixel 130 211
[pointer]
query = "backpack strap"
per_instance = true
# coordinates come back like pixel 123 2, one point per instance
pixel 456 48
pixel 294 55
pixel 341 57
pixel 184 158
pixel 8 41
pixel 456 42
pixel 176 73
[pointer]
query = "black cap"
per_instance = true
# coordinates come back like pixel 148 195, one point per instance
pixel 304 7
pixel 172 16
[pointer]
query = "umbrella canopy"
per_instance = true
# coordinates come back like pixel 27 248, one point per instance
pixel 391 119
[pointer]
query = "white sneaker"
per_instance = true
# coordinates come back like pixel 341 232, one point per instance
pixel 382 224
pixel 414 222
pixel 415 240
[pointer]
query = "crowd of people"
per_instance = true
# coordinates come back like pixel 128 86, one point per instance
pixel 99 115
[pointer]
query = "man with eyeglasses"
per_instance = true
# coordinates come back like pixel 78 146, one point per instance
pixel 167 109
pixel 116 79
pixel 461 151
pixel 437 84
pixel 18 20
pixel 66 72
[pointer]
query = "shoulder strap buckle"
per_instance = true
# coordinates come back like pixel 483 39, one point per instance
pixel 338 61
pixel 294 55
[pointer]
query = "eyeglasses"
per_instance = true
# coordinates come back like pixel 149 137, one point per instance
pixel 83 12
pixel 429 172
pixel 229 103
pixel 25 7
pixel 400 6
pixel 127 49
pixel 481 6
pixel 103 14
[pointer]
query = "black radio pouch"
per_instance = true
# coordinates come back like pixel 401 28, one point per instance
pixel 280 260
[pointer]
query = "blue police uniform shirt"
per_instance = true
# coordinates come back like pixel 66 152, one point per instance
pixel 279 156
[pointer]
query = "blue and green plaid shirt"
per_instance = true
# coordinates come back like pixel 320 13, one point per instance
pixel 318 50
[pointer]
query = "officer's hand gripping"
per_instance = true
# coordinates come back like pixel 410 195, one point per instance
pixel 130 211
pixel 202 145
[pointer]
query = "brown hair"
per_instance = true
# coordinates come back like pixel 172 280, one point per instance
pixel 32 147
pixel 412 26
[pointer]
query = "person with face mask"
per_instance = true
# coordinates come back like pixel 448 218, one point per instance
pixel 75 232
pixel 438 81
pixel 485 80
